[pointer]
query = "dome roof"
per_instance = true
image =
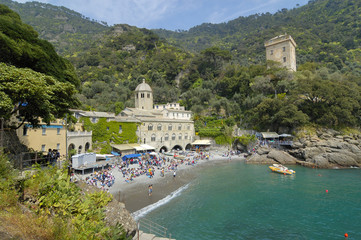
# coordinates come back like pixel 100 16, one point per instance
pixel 143 87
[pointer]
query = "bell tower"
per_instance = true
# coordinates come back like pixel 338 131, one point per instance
pixel 144 96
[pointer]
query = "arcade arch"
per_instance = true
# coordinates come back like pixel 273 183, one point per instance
pixel 177 147
pixel 87 146
pixel 163 149
pixel 189 146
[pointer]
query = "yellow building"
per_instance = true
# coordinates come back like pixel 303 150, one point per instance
pixel 54 136
pixel 282 49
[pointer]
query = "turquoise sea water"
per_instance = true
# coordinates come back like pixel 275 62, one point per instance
pixel 240 201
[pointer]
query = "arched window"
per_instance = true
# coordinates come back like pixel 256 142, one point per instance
pixel 87 146
pixel 166 137
pixel 180 136
pixel 80 148
pixel 152 138
pixel 159 127
pixel 170 127
pixel 173 136
pixel 150 127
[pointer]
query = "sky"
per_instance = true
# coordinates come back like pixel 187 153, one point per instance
pixel 171 14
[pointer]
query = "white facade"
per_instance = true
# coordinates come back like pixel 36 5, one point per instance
pixel 164 126
pixel 175 106
pixel 81 141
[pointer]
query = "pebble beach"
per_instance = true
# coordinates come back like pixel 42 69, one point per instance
pixel 134 193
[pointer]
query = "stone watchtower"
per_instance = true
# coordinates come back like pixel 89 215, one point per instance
pixel 144 96
pixel 282 49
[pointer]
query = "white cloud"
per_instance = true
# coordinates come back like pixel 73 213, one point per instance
pixel 171 13
pixel 244 8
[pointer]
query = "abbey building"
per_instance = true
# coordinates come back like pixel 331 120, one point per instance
pixel 165 126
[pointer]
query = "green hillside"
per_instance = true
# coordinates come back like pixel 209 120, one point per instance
pixel 223 72
pixel 325 31
pixel 67 30
pixel 35 82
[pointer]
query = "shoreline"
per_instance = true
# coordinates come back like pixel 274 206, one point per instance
pixel 134 194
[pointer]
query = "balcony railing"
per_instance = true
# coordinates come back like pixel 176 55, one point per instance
pixel 79 133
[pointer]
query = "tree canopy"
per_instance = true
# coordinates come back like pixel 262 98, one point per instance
pixel 30 95
pixel 220 70
pixel 21 47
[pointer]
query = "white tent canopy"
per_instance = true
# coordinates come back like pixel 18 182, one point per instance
pixel 202 142
pixel 133 146
pixel 267 135
pixel 147 147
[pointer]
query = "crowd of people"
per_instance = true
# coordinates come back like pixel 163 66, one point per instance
pixel 52 156
pixel 146 165
pixel 102 179
pixel 150 164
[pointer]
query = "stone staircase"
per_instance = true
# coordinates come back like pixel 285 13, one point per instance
pixel 148 236
pixel 153 231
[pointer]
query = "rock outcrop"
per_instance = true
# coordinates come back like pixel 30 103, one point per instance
pixel 115 212
pixel 328 149
pixel 265 155
pixel 325 149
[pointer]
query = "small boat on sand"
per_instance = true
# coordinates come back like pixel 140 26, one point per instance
pixel 278 168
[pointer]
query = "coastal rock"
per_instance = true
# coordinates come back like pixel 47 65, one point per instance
pixel 263 150
pixel 352 141
pixel 341 159
pixel 320 161
pixel 336 144
pixel 261 159
pixel 281 157
pixel 310 152
pixel 116 213
pixel 298 145
pixel 325 136
pixel 326 149
pixel 354 149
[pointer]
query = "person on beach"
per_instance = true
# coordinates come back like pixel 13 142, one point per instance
pixel 150 190
pixel 174 174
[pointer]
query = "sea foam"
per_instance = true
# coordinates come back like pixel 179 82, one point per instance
pixel 144 211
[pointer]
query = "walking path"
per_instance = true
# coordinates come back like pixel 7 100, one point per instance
pixel 148 236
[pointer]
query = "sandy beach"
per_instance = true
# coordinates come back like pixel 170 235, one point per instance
pixel 135 193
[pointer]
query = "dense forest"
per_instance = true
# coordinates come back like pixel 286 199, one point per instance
pixel 219 70
pixel 35 82
pixel 53 59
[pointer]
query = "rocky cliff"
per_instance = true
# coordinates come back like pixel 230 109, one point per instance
pixel 115 212
pixel 324 149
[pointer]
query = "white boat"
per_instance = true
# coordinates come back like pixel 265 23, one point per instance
pixel 279 168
